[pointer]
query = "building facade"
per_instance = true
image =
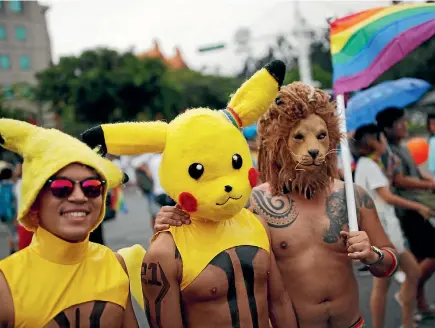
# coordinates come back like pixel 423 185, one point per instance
pixel 24 41
pixel 25 47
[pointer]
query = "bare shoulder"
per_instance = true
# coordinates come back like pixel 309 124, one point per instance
pixel 7 308
pixel 278 211
pixel 363 198
pixel 162 246
pixel 121 261
pixel 163 253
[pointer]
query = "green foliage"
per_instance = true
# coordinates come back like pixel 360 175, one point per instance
pixel 104 86
pixel 8 98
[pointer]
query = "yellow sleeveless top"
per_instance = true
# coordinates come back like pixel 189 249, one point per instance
pixel 51 275
pixel 200 241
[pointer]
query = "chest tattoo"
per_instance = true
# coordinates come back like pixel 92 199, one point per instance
pixel 279 212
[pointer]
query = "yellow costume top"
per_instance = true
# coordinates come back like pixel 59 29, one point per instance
pixel 52 275
pixel 200 241
pixel 206 168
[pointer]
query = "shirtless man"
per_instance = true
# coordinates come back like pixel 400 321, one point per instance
pixel 305 208
pixel 61 279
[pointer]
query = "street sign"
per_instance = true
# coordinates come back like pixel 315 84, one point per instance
pixel 211 48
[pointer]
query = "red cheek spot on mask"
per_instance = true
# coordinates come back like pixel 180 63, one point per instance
pixel 253 177
pixel 188 202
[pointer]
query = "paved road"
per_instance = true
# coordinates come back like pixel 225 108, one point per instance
pixel 134 228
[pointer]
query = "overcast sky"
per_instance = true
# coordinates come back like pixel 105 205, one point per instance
pixel 76 25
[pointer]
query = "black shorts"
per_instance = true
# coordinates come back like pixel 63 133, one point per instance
pixel 419 233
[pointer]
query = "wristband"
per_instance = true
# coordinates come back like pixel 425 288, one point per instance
pixel 381 256
pixel 394 264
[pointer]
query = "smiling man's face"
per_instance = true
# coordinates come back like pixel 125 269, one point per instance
pixel 71 218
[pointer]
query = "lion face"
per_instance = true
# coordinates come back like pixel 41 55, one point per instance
pixel 308 143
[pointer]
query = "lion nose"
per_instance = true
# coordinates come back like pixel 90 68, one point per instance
pixel 228 188
pixel 313 153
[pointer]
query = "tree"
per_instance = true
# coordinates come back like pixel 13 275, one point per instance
pixel 193 89
pixel 102 85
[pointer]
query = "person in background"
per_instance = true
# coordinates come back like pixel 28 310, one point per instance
pixel 8 204
pixel 97 236
pixel 431 129
pixel 150 164
pixel 412 183
pixel 374 176
pixel 24 236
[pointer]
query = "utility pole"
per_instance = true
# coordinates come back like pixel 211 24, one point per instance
pixel 303 36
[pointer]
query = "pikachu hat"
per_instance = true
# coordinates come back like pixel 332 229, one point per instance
pixel 45 152
pixel 206 165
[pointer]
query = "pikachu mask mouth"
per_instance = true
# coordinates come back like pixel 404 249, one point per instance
pixel 228 198
pixel 204 152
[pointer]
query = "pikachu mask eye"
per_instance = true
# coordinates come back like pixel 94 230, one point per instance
pixel 196 170
pixel 237 162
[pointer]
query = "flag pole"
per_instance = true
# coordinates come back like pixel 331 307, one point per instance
pixel 347 169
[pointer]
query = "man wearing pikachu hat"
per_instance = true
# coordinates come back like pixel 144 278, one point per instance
pixel 61 279
pixel 218 271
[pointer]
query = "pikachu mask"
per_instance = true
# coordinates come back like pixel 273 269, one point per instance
pixel 206 165
pixel 45 152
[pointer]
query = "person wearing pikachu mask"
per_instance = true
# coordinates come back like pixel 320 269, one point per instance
pixel 218 271
pixel 61 279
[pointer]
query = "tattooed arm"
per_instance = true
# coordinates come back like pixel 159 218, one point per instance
pixel 129 316
pixel 370 223
pixel 160 284
pixel 7 307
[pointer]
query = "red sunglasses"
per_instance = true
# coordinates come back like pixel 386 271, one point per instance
pixel 64 187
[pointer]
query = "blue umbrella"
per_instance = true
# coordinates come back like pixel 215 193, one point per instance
pixel 250 132
pixel 363 107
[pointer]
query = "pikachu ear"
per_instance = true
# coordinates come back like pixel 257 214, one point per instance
pixel 254 97
pixel 131 138
pixel 14 134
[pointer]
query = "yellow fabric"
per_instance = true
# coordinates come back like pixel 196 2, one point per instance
pixel 52 275
pixel 46 151
pixel 133 258
pixel 199 242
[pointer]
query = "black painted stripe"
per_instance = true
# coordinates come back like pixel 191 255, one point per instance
pixel 246 256
pixel 97 312
pixel 223 261
pixel 77 318
pixel 148 310
pixel 62 320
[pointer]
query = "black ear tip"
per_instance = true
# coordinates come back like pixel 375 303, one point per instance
pixel 277 68
pixel 125 179
pixel 2 141
pixel 94 137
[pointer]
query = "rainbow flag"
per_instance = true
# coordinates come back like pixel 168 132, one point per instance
pixel 117 201
pixel 366 44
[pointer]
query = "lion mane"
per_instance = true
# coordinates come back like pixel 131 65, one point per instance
pixel 294 103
